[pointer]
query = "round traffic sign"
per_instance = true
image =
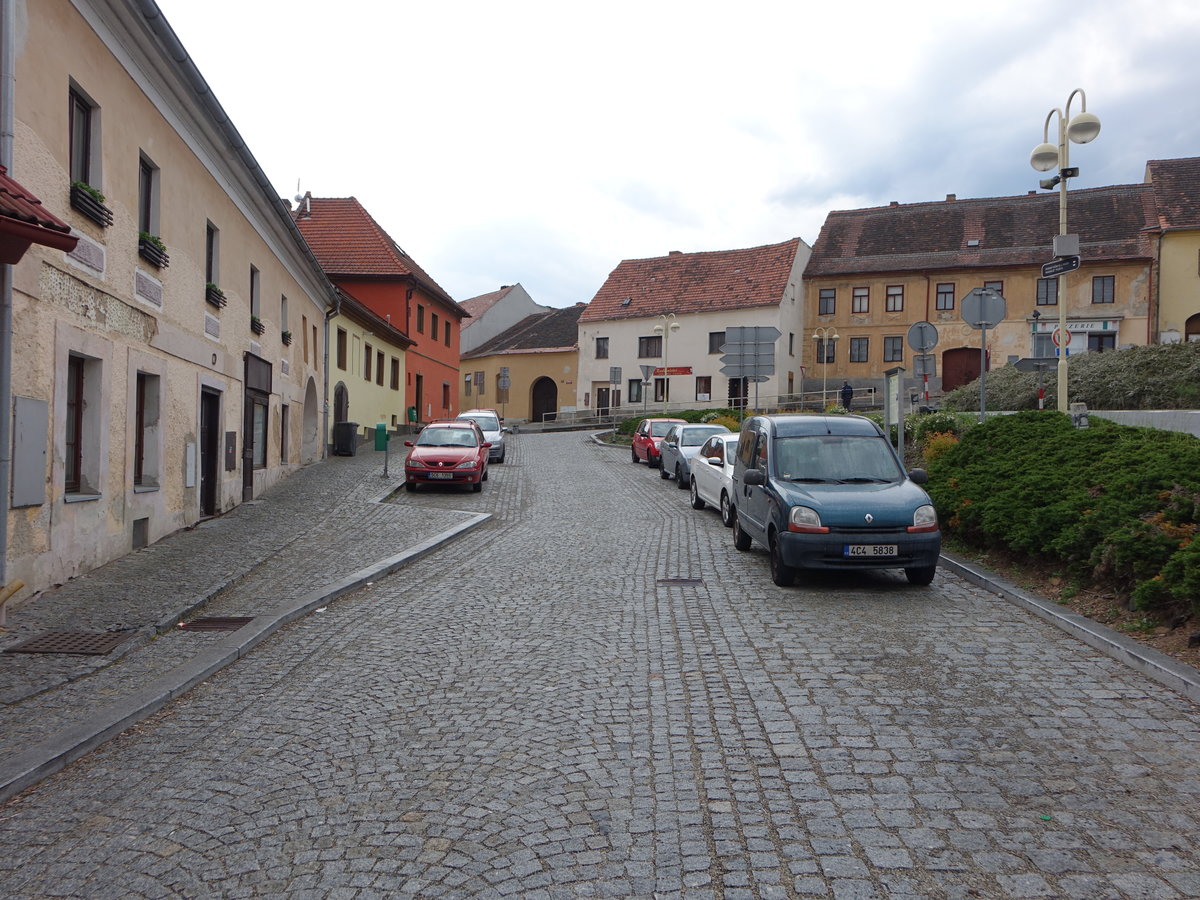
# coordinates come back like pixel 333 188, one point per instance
pixel 1057 338
pixel 922 336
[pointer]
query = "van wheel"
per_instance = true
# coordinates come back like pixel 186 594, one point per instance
pixel 697 503
pixel 681 481
pixel 741 540
pixel 726 511
pixel 921 575
pixel 781 573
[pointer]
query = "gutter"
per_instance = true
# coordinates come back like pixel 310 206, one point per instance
pixel 8 56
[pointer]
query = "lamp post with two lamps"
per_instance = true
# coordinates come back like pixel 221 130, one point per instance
pixel 1081 129
pixel 823 336
pixel 667 325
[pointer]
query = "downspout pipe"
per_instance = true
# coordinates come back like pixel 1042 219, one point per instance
pixel 331 313
pixel 8 53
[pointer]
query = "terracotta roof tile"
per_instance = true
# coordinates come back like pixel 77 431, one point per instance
pixel 1176 184
pixel 557 329
pixel 349 243
pixel 695 282
pixel 1009 231
pixel 24 219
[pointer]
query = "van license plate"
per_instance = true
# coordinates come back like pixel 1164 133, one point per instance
pixel 851 550
pixel 441 475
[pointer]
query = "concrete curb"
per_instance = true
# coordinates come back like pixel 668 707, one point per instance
pixel 1147 660
pixel 53 754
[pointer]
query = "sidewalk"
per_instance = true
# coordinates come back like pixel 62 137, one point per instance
pixel 321 533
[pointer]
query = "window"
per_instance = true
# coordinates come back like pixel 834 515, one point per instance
pixel 420 319
pixel 827 302
pixel 283 316
pixel 650 347
pixel 635 390
pixel 1104 288
pixel 716 340
pixel 446 336
pixel 858 349
pixel 283 433
pixel 861 300
pixel 660 390
pixel 446 395
pixel 825 350
pixel 997 286
pixel 341 349
pixel 260 433
pixel 147 197
pixel 368 355
pixel 255 303
pixel 1047 292
pixel 893 349
pixel 1043 345
pixel 467 386
pixel 379 367
pixel 303 331
pixel 601 348
pixel 945 296
pixel 1098 343
pixel 791 344
pixel 479 383
pixel 895 298
pixel 145 433
pixel 703 387
pixel 433 326
pixel 84 425
pixel 84 118
pixel 395 374
pixel 212 255
pixel 74 439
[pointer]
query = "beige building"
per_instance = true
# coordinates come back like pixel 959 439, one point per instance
pixel 171 365
pixel 536 357
pixel 1176 184
pixel 874 273
pixel 367 366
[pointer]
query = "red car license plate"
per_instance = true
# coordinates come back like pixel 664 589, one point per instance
pixel 444 476
pixel 874 550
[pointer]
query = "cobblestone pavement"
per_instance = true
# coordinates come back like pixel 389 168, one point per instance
pixel 543 709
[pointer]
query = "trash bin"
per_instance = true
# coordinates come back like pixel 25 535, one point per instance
pixel 381 436
pixel 345 438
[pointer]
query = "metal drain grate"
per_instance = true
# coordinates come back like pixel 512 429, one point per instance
pixel 80 643
pixel 216 623
pixel 681 581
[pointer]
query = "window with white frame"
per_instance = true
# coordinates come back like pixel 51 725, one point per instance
pixel 945 296
pixel 827 302
pixel 83 427
pixel 860 301
pixel 146 452
pixel 895 298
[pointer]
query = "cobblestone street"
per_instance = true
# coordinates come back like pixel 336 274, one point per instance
pixel 595 695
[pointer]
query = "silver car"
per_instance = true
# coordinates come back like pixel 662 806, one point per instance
pixel 712 475
pixel 680 445
pixel 493 430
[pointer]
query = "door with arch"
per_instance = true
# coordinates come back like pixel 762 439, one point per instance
pixel 1191 328
pixel 959 366
pixel 543 400
pixel 341 403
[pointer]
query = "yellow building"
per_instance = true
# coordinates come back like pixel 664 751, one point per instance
pixel 1176 184
pixel 874 273
pixel 537 358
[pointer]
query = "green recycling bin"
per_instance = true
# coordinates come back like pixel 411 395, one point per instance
pixel 381 436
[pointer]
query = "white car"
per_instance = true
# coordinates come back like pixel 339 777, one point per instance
pixel 679 446
pixel 493 429
pixel 712 475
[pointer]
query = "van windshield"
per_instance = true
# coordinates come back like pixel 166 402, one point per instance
pixel 844 459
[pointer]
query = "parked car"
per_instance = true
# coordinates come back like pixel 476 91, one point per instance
pixel 712 475
pixel 647 438
pixel 493 429
pixel 680 444
pixel 447 452
pixel 829 492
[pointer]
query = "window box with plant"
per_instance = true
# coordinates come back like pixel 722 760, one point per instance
pixel 256 325
pixel 153 250
pixel 286 337
pixel 214 295
pixel 90 202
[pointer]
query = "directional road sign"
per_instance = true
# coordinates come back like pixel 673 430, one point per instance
pixel 1060 264
pixel 749 352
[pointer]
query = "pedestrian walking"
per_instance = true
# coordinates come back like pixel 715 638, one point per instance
pixel 847 394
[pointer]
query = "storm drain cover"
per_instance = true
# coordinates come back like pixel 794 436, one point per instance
pixel 82 643
pixel 216 623
pixel 681 581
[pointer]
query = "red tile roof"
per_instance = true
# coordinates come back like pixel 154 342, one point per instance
pixel 1176 184
pixel 23 220
pixel 1111 223
pixel 695 282
pixel 349 243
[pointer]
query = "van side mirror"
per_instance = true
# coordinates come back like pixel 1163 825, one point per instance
pixel 754 477
pixel 918 476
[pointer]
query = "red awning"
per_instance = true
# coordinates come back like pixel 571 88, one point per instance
pixel 24 221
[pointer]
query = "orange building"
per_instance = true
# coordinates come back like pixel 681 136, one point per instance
pixel 362 259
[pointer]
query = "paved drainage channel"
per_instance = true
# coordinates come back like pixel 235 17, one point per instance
pixel 216 623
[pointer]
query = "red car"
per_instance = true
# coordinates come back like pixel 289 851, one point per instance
pixel 647 438
pixel 447 452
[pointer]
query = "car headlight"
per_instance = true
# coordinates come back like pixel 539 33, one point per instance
pixel 805 520
pixel 924 519
pixel 414 464
pixel 467 464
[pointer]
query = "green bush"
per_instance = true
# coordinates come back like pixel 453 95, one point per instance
pixel 1117 505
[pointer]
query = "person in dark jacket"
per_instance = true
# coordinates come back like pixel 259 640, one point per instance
pixel 847 394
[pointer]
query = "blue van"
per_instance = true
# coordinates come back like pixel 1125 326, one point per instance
pixel 829 492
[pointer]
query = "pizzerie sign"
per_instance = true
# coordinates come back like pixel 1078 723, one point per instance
pixel 1105 325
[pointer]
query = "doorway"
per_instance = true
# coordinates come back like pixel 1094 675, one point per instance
pixel 959 366
pixel 210 450
pixel 543 400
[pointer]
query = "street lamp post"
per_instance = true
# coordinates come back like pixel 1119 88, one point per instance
pixel 1046 156
pixel 823 336
pixel 666 327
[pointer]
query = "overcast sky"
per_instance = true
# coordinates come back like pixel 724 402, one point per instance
pixel 544 142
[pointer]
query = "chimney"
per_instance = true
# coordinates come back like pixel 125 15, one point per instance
pixel 894 203
pixel 950 197
pixel 675 253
